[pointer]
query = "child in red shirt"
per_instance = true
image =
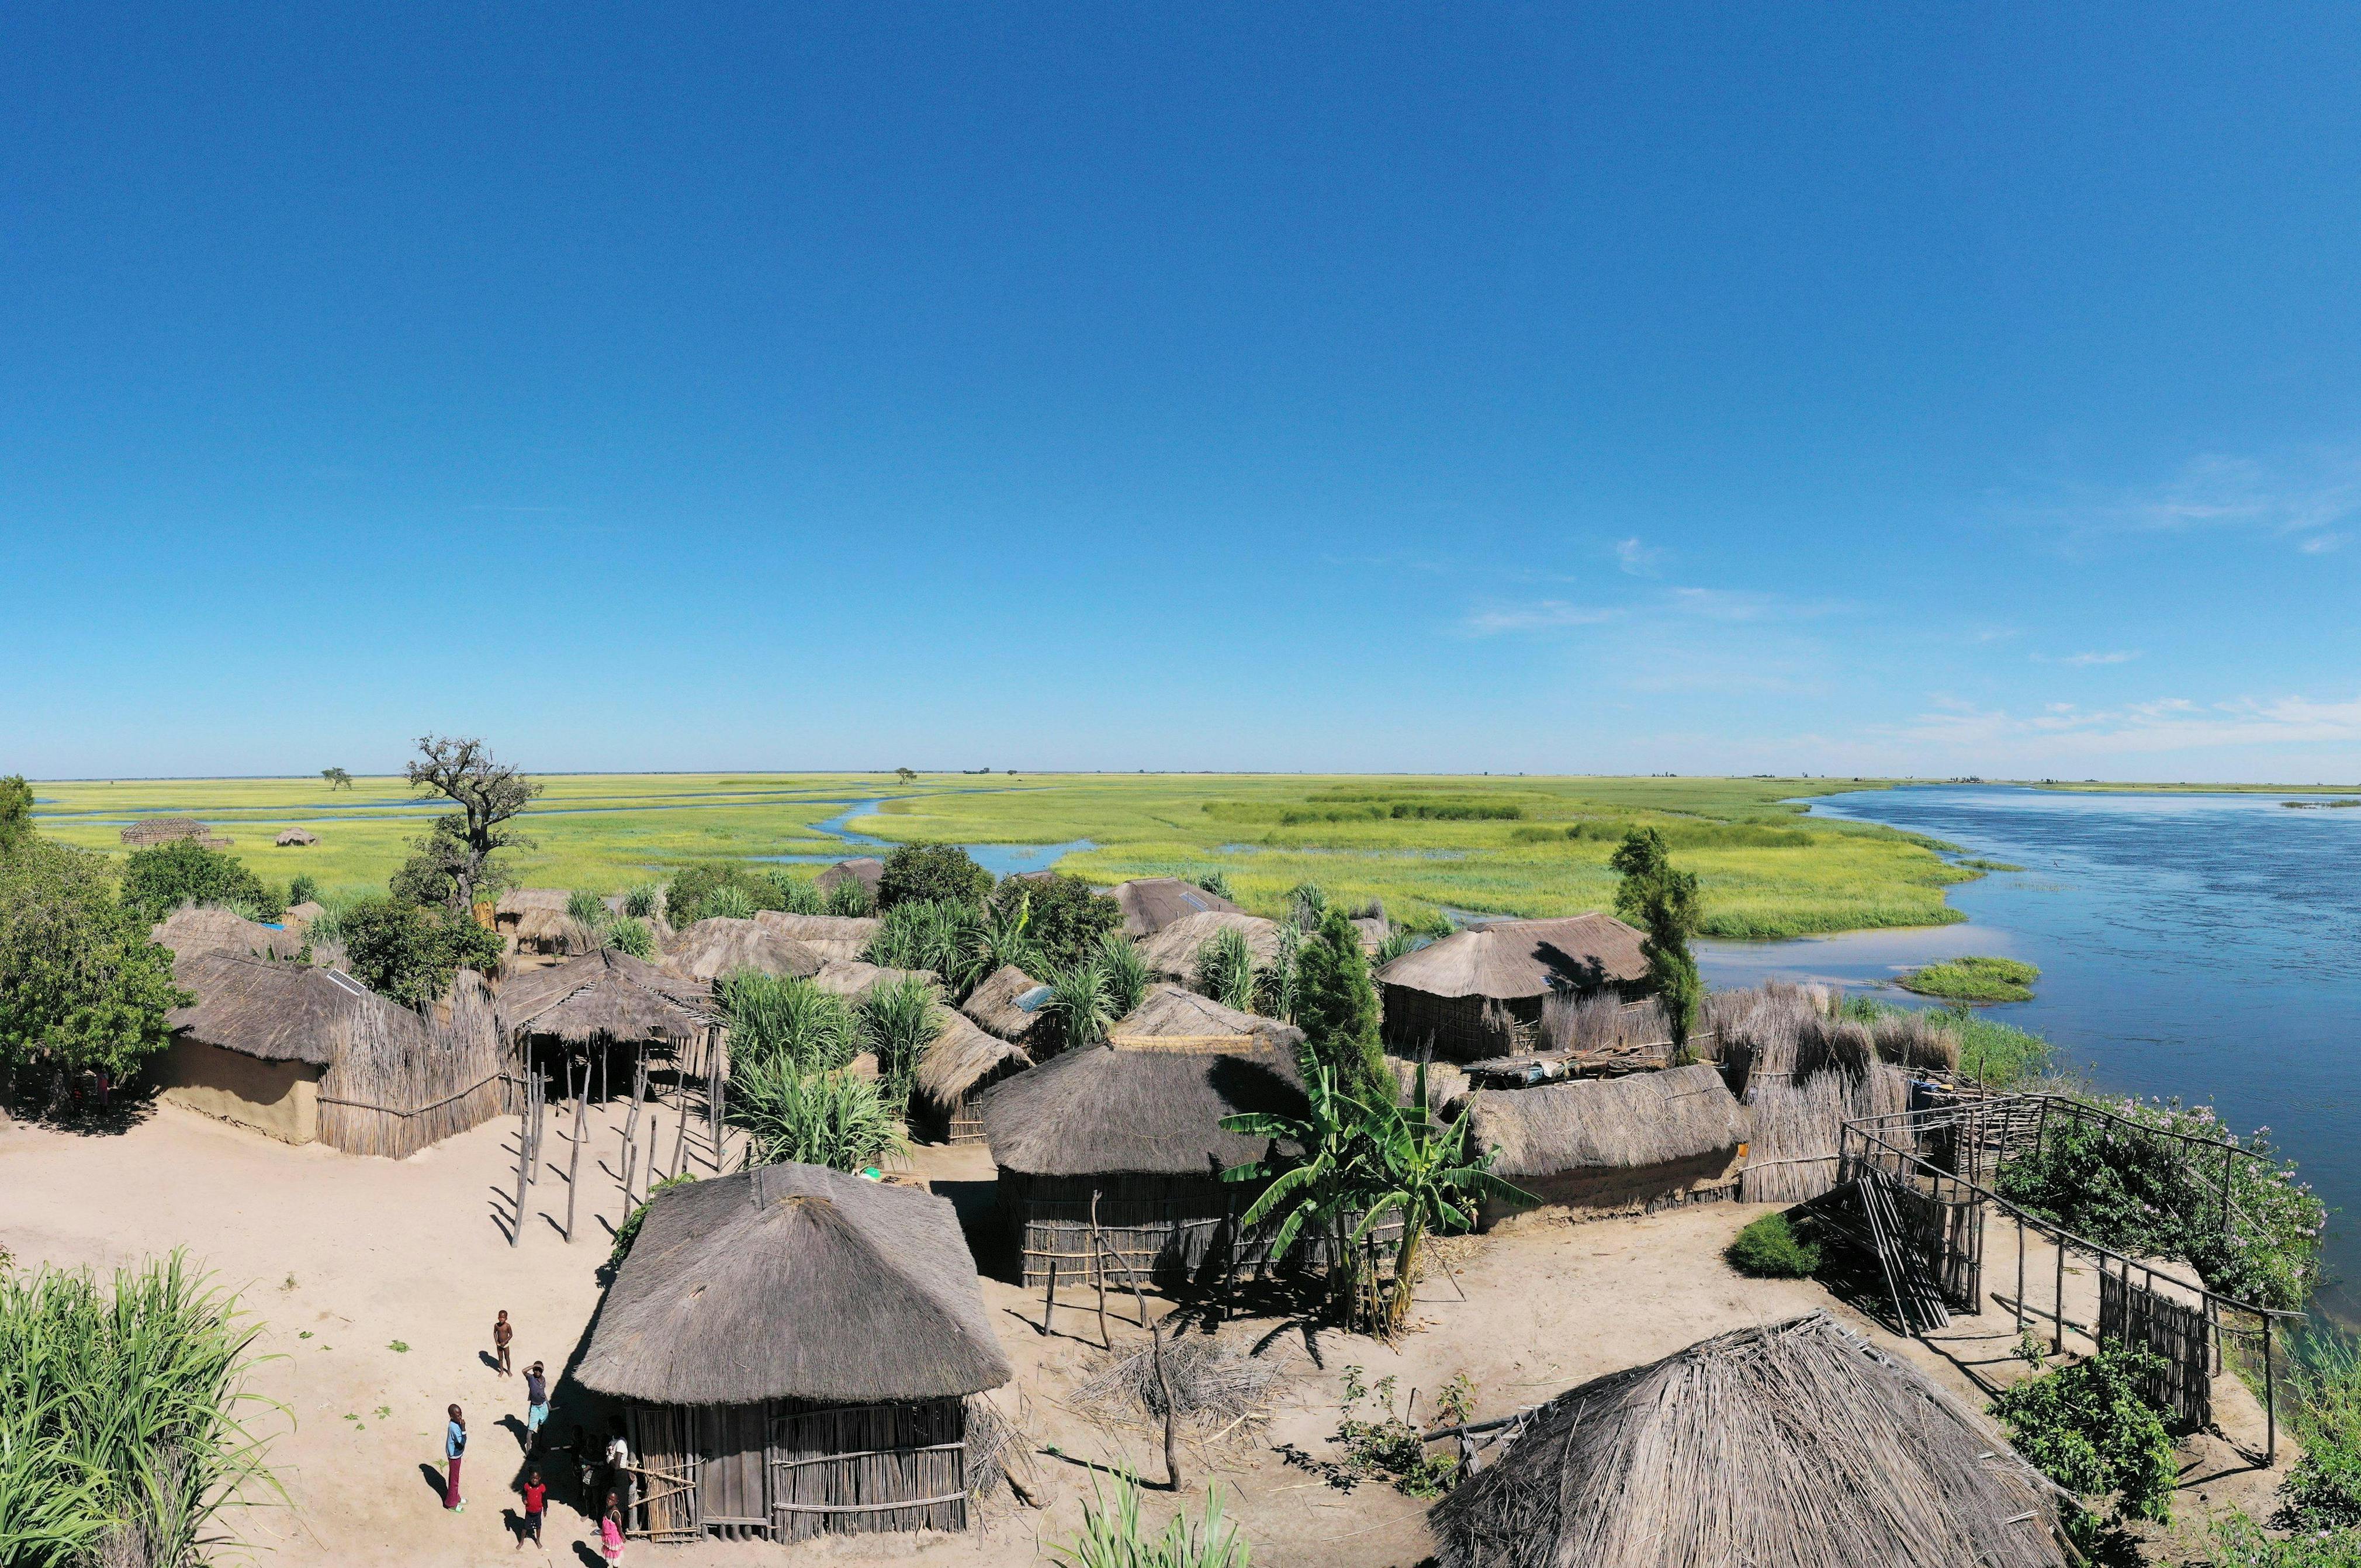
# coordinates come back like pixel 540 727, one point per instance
pixel 536 1499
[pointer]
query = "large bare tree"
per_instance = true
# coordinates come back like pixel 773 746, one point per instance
pixel 489 796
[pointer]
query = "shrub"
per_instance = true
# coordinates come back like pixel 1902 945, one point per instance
pixel 1065 917
pixel 2238 1541
pixel 899 1020
pixel 82 985
pixel 2089 1427
pixel 160 880
pixel 1215 882
pixel 410 954
pixel 1125 973
pixel 1383 1444
pixel 1078 999
pixel 1770 1249
pixel 779 1016
pixel 302 889
pixel 629 936
pixel 640 903
pixel 849 897
pixel 727 903
pixel 2324 1490
pixel 816 1118
pixel 1225 969
pixel 693 885
pixel 1306 903
pixel 932 873
pixel 927 934
pixel 800 896
pixel 1112 1537
pixel 1336 1008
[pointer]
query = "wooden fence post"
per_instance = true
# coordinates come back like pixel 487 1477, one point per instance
pixel 680 1139
pixel 524 1167
pixel 574 1161
pixel 1098 1268
pixel 1050 1298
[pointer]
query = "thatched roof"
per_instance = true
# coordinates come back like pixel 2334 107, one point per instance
pixel 1150 903
pixel 1373 932
pixel 866 869
pixel 1794 1443
pixel 1507 959
pixel 283 1012
pixel 830 935
pixel 533 914
pixel 1151 1099
pixel 1171 953
pixel 714 948
pixel 517 900
pixel 855 979
pixel 793 1282
pixel 298 916
pixel 165 830
pixel 1595 1124
pixel 191 929
pixel 605 995
pixel 295 835
pixel 1008 1004
pixel 962 1057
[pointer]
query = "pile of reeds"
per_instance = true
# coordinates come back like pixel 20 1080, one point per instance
pixel 999 1455
pixel 1803 1073
pixel 1213 1382
pixel 1601 1026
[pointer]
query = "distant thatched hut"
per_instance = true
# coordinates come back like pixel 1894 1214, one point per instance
pixel 1612 1146
pixel 866 869
pixel 1008 1005
pixel 150 830
pixel 533 919
pixel 1132 1129
pixel 711 949
pixel 794 1348
pixel 193 928
pixel 1794 1443
pixel 1478 993
pixel 604 1002
pixel 295 837
pixel 959 1067
pixel 830 935
pixel 1171 953
pixel 306 1054
pixel 1150 903
pixel 300 916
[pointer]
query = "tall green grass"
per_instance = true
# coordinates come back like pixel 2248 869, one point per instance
pixel 1112 1536
pixel 834 1119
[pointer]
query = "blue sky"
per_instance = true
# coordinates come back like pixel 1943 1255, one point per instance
pixel 1550 389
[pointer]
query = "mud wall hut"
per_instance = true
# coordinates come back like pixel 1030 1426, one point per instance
pixel 1613 1146
pixel 794 1349
pixel 1478 993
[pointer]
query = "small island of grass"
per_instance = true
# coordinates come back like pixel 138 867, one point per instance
pixel 1974 980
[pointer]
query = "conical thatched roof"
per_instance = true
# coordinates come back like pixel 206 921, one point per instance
pixel 1595 1124
pixel 830 935
pixel 714 948
pixel 1795 1445
pixel 298 916
pixel 533 914
pixel 866 869
pixel 1152 903
pixel 1008 1004
pixel 605 995
pixel 1151 1099
pixel 792 1282
pixel 963 1056
pixel 191 929
pixel 276 1011
pixel 1510 959
pixel 855 979
pixel 1171 953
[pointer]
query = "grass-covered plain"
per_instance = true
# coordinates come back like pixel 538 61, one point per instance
pixel 1492 846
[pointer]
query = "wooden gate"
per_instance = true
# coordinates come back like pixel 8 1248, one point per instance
pixel 2178 1334
pixel 1947 1235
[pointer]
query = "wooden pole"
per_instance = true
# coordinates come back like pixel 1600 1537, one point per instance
pixel 574 1161
pixel 1049 1300
pixel 1156 1357
pixel 2270 1399
pixel 680 1140
pixel 525 1168
pixel 1098 1267
pixel 2057 1329
pixel 2020 1276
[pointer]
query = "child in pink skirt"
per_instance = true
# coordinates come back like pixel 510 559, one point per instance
pixel 610 1529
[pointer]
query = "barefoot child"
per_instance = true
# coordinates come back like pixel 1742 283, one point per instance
pixel 537 1502
pixel 501 1334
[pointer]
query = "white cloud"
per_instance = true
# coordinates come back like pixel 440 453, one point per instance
pixel 2321 544
pixel 2119 656
pixel 1733 604
pixel 1545 615
pixel 2301 499
pixel 1638 559
pixel 2165 724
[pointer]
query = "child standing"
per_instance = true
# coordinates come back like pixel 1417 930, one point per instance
pixel 610 1529
pixel 455 1448
pixel 537 1502
pixel 536 1405
pixel 501 1334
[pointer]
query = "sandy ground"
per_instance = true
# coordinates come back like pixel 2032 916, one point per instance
pixel 377 1283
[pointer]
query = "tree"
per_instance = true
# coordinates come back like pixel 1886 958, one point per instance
pixel 936 872
pixel 489 796
pixel 1336 1008
pixel 82 985
pixel 15 812
pixel 1662 903
pixel 336 778
pixel 693 885
pixel 1065 917
pixel 410 953
pixel 1421 1171
pixel 160 880
pixel 904 776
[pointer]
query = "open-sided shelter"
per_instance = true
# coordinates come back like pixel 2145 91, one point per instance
pixel 794 1349
pixel 830 935
pixel 1009 1006
pixel 1606 1146
pixel 534 919
pixel 150 830
pixel 1478 993
pixel 711 949
pixel 604 1003
pixel 956 1068
pixel 1150 903
pixel 1796 1443
pixel 1128 1133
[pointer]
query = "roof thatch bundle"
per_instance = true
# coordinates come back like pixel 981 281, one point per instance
pixel 830 935
pixel 962 1057
pixel 1803 1074
pixel 295 837
pixel 854 978
pixel 866 869
pixel 793 1282
pixel 1150 903
pixel 1171 953
pixel 281 1012
pixel 208 929
pixel 1150 1101
pixel 1008 1004
pixel 1648 1118
pixel 711 949
pixel 603 995
pixel 1514 960
pixel 1794 1443
pixel 165 830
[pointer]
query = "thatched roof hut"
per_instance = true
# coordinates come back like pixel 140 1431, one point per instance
pixel 794 1348
pixel 1794 1443
pixel 1171 953
pixel 963 1062
pixel 1614 1144
pixel 855 978
pixel 1373 931
pixel 1008 1005
pixel 1150 903
pixel 150 830
pixel 295 837
pixel 535 918
pixel 866 869
pixel 208 929
pixel 830 935
pixel 711 949
pixel 299 917
pixel 607 996
pixel 1135 1124
pixel 1478 993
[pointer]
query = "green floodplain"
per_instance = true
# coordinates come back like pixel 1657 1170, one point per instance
pixel 1482 845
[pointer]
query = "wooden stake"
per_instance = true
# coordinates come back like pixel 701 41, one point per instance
pixel 1156 1357
pixel 574 1161
pixel 1098 1267
pixel 680 1140
pixel 1049 1300
pixel 525 1168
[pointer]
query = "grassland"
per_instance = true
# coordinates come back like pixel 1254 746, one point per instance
pixel 1490 846
pixel 1974 980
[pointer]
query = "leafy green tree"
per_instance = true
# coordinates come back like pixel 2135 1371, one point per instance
pixel 160 880
pixel 410 953
pixel 1336 1008
pixel 1423 1172
pixel 938 872
pixel 429 877
pixel 904 775
pixel 1662 903
pixel 15 812
pixel 685 900
pixel 82 985
pixel 489 794
pixel 1065 917
pixel 336 778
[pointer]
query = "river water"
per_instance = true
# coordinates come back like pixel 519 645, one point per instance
pixel 2204 945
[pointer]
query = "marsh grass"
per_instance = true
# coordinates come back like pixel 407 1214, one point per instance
pixel 899 1020
pixel 779 1016
pixel 1975 979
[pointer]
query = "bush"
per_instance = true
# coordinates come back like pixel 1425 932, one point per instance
pixel 2089 1427
pixel 303 890
pixel 800 895
pixel 160 880
pixel 410 953
pixel 1078 999
pixel 935 873
pixel 1125 973
pixel 818 1118
pixel 1336 1008
pixel 927 934
pixel 779 1016
pixel 640 904
pixel 81 984
pixel 1383 1444
pixel 899 1020
pixel 1065 917
pixel 1769 1248
pixel 1216 882
pixel 1111 1536
pixel 693 885
pixel 1225 969
pixel 2238 1541
pixel 2323 1491
pixel 629 936
pixel 727 903
pixel 848 898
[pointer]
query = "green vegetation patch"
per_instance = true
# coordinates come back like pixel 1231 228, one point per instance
pixel 1773 1247
pixel 1974 980
pixel 2090 1429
